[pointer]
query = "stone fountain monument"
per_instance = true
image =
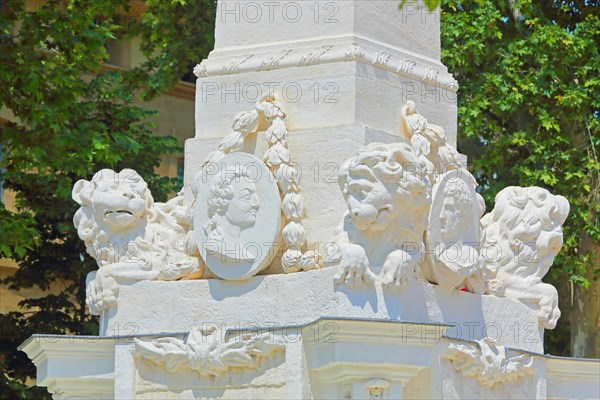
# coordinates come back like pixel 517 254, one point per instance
pixel 328 242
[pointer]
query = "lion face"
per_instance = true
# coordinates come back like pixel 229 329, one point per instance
pixel 118 201
pixel 380 184
pixel 370 204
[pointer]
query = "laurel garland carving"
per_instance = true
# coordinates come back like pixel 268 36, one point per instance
pixel 297 255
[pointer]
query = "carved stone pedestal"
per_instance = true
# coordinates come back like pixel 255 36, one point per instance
pixel 328 243
pixel 299 336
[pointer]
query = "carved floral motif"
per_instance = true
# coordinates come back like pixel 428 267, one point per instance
pixel 207 353
pixel 234 65
pixel 272 62
pixel 406 66
pixel 200 69
pixel 487 362
pixel 431 74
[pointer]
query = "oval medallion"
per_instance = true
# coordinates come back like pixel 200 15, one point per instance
pixel 237 216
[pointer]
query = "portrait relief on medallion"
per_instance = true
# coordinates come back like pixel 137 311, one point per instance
pixel 454 233
pixel 232 206
pixel 237 216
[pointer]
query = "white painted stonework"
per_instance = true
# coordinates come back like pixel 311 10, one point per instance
pixel 237 216
pixel 327 244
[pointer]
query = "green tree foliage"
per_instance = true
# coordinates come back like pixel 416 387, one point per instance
pixel 72 118
pixel 529 104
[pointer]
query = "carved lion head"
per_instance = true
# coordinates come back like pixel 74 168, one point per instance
pixel 111 204
pixel 526 226
pixel 383 182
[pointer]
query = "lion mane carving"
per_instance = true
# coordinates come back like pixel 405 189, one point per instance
pixel 388 198
pixel 130 237
pixel 522 235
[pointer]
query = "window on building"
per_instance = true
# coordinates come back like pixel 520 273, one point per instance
pixel 180 166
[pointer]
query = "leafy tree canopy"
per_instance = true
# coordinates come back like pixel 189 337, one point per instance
pixel 529 105
pixel 69 118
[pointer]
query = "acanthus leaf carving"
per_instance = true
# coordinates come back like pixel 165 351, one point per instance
pixel 406 66
pixel 200 70
pixel 370 53
pixel 431 74
pixel 207 353
pixel 234 65
pixel 487 362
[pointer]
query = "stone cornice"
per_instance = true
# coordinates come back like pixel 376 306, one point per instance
pixel 324 51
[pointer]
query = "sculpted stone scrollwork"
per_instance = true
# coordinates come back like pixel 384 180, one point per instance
pixel 524 231
pixel 200 70
pixel 487 362
pixel 387 191
pixel 388 199
pixel 454 234
pixel 130 237
pixel 207 353
pixel 237 217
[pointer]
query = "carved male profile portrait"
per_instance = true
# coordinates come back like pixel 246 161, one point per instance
pixel 454 215
pixel 454 233
pixel 232 206
pixel 237 216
